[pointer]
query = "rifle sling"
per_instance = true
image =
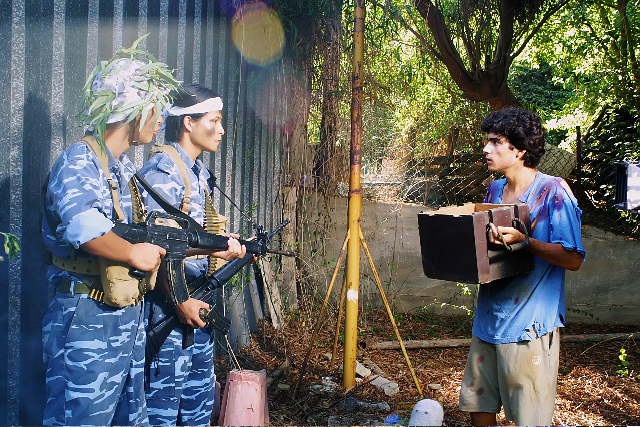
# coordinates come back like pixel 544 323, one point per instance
pixel 168 207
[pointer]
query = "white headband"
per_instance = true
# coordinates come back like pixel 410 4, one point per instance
pixel 204 107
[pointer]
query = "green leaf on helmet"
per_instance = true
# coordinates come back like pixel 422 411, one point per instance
pixel 99 102
pixel 143 119
pixel 142 85
pixel 138 40
pixel 122 68
pixel 151 66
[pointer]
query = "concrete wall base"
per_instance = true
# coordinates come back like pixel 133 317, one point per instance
pixel 604 290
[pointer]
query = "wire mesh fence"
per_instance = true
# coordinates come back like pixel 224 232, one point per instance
pixel 615 137
pixel 445 180
pixel 462 177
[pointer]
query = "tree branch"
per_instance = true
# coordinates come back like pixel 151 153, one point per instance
pixel 449 54
pixel 535 30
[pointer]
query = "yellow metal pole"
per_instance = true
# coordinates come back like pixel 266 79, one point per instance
pixel 355 203
pixel 336 337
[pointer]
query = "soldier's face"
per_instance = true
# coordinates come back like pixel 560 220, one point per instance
pixel 207 132
pixel 150 127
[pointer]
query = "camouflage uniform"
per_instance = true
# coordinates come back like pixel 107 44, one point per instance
pixel 180 382
pixel 94 353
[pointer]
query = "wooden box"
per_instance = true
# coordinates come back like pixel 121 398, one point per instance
pixel 454 243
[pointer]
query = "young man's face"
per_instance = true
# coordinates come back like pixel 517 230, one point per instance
pixel 500 154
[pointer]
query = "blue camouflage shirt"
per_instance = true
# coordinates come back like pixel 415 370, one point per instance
pixel 164 176
pixel 78 204
pixel 508 308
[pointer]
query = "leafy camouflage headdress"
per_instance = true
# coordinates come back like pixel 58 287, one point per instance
pixel 120 89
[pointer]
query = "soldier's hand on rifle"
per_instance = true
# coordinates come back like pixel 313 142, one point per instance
pixel 235 250
pixel 189 312
pixel 141 256
pixel 146 256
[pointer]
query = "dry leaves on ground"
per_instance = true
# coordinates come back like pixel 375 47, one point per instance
pixel 590 392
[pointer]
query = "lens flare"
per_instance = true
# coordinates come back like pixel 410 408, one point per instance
pixel 230 7
pixel 280 100
pixel 257 33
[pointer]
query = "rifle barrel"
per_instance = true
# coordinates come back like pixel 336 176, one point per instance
pixel 278 252
pixel 278 228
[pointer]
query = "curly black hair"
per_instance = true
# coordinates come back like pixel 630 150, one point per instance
pixel 522 128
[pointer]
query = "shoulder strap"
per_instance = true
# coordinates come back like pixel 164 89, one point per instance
pixel 168 208
pixel 175 156
pixel 215 224
pixel 100 152
pixel 139 212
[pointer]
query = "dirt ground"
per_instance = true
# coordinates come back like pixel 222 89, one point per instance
pixel 590 392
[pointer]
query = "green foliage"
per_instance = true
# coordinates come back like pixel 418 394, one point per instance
pixel 624 366
pixel 413 109
pixel 539 88
pixel 303 21
pixel 464 292
pixel 11 245
pixel 616 138
pixel 590 64
pixel 155 79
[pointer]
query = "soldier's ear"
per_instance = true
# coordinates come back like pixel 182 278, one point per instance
pixel 187 123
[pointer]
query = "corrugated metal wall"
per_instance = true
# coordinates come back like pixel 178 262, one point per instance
pixel 47 50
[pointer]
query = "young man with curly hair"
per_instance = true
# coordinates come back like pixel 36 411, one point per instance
pixel 514 354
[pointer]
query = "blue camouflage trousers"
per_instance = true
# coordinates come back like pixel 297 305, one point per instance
pixel 94 357
pixel 180 382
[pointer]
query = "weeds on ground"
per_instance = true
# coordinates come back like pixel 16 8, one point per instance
pixel 624 367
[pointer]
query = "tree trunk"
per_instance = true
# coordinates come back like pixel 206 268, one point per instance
pixel 484 85
pixel 466 342
pixel 325 163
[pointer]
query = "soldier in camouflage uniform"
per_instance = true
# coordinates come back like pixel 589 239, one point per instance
pixel 93 352
pixel 180 382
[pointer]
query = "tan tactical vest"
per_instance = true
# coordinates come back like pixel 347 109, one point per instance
pixel 118 288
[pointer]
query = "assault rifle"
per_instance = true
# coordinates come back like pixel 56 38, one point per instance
pixel 176 241
pixel 204 288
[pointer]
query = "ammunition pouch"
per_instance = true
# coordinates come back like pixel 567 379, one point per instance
pixel 117 287
pixel 78 262
pixel 120 287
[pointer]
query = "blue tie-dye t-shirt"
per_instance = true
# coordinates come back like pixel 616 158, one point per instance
pixel 508 308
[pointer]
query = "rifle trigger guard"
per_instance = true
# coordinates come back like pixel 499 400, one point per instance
pixel 151 219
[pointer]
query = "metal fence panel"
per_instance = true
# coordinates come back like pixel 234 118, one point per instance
pixel 48 51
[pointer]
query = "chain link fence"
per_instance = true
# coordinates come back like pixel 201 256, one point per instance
pixel 446 180
pixel 462 176
pixel 614 137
